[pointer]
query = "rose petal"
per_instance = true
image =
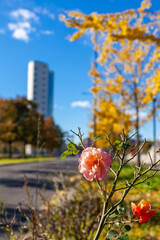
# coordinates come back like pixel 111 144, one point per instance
pixel 143 219
pixel 143 207
pixel 134 210
pixel 88 175
pixel 151 213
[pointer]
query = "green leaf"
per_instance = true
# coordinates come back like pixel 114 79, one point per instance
pixel 63 155
pixel 96 138
pixel 119 148
pixel 114 215
pixel 117 142
pixel 123 236
pixel 71 146
pixel 6 229
pixel 126 228
pixel 66 153
pixel 2 207
pixel 149 184
pixel 76 152
pixel 126 146
pixel 121 210
pixel 111 234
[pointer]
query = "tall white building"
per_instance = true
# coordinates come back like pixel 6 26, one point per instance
pixel 40 87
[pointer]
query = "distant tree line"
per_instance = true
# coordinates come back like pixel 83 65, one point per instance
pixel 21 122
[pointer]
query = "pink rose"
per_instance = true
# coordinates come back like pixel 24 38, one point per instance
pixel 94 163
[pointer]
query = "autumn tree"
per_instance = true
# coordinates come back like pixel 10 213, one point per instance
pixel 128 49
pixel 109 117
pixel 18 122
pixel 28 121
pixel 8 125
pixel 53 135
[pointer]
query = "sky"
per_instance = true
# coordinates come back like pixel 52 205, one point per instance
pixel 31 30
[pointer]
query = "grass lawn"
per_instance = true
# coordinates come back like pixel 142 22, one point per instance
pixel 7 161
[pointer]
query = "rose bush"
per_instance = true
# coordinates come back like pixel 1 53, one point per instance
pixel 95 163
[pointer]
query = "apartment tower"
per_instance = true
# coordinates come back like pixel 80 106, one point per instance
pixel 40 87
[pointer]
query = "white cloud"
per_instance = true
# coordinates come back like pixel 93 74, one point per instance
pixel 132 112
pixel 59 107
pixel 82 104
pixel 23 21
pixel 21 34
pixel 24 14
pixel 14 26
pixel 45 11
pixel 21 30
pixel 47 32
pixel 2 31
pixel 48 13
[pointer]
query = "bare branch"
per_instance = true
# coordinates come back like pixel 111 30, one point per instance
pixel 113 171
pixel 132 135
pixel 79 135
pixel 136 152
pixel 150 158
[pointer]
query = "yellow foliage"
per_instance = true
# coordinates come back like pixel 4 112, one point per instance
pixel 146 4
pixel 93 72
pixel 110 119
pixel 93 40
pixel 129 52
pixel 123 24
pixel 136 80
pixel 95 90
pixel 76 14
pixel 76 36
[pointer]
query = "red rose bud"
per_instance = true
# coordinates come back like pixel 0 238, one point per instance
pixel 143 211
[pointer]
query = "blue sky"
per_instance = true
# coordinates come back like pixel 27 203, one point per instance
pixel 31 30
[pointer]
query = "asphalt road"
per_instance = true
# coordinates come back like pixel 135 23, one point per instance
pixel 50 175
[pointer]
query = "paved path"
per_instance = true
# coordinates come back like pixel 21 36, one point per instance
pixel 12 189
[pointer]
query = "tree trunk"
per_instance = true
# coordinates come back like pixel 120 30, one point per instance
pixel 10 149
pixel 154 128
pixel 137 125
pixel 24 150
pixel 137 137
